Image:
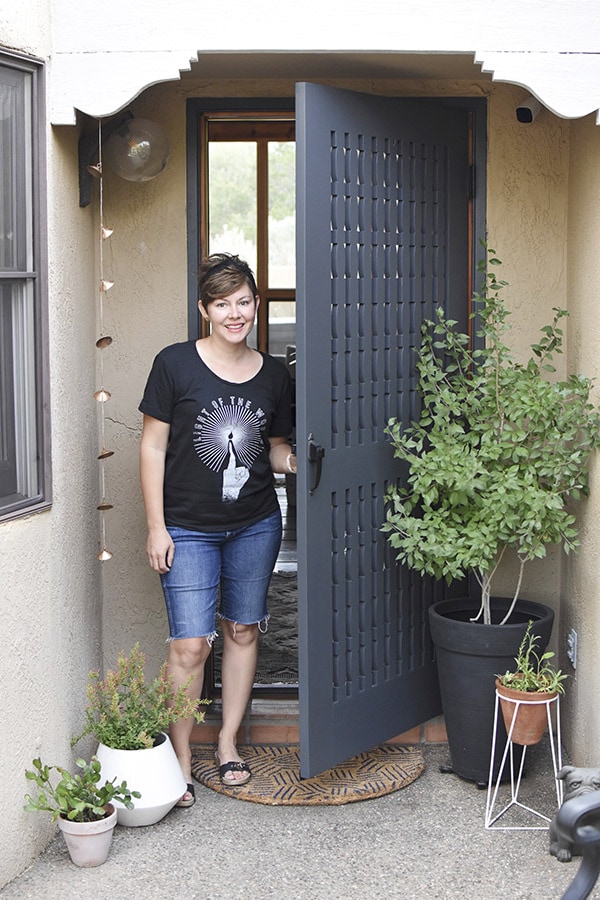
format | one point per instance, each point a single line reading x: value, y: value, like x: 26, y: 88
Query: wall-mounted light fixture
x: 527, y: 110
x: 136, y: 149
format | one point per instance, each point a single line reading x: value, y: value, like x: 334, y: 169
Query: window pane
x: 282, y: 214
x: 8, y: 466
x: 282, y: 329
x: 16, y: 245
x: 19, y: 477
x: 232, y: 209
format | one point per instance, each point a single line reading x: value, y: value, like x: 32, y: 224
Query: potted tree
x: 499, y: 451
x: 525, y: 691
x: 82, y: 806
x: 130, y: 717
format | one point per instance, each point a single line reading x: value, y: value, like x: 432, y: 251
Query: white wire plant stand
x: 492, y: 816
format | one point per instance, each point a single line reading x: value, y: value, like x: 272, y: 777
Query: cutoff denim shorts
x: 240, y: 561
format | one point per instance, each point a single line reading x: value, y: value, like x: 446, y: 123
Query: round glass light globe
x: 137, y: 150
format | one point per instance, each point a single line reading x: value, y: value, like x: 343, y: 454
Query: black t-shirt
x: 217, y: 473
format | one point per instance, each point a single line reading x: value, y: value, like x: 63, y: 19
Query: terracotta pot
x: 88, y: 843
x: 529, y: 711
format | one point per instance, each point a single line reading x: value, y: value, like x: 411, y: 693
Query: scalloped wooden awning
x: 102, y: 60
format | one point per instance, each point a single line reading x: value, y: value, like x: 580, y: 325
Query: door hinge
x: 471, y: 182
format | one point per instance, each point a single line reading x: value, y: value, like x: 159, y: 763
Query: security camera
x: 528, y: 110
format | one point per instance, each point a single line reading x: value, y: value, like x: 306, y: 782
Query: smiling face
x: 231, y: 318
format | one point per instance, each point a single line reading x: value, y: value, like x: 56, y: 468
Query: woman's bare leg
x: 240, y: 652
x: 186, y: 657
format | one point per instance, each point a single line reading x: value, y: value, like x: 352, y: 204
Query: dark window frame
x: 254, y: 108
x: 31, y: 276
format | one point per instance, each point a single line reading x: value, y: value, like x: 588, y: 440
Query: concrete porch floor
x: 425, y: 841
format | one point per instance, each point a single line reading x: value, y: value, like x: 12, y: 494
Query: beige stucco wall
x: 50, y: 589
x: 581, y: 585
x: 526, y: 220
x: 146, y: 257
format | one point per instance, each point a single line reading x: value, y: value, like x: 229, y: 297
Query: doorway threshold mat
x: 276, y: 775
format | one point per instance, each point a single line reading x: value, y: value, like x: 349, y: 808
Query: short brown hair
x: 221, y: 274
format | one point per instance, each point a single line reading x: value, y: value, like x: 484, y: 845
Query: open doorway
x: 245, y: 199
x: 391, y: 198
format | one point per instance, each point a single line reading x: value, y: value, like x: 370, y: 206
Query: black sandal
x: 185, y: 804
x: 233, y: 767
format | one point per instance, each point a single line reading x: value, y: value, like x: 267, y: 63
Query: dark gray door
x: 382, y: 241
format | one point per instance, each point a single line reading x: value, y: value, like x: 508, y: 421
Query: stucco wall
x: 146, y: 257
x: 50, y: 589
x: 526, y: 220
x: 581, y: 587
x: 26, y: 27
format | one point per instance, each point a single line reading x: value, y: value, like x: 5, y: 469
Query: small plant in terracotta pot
x: 82, y: 803
x: 525, y: 691
x: 78, y: 797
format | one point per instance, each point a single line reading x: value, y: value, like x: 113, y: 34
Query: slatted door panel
x: 382, y: 241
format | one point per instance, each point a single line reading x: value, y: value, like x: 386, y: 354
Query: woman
x: 217, y: 416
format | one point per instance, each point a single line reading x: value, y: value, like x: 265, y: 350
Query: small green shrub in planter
x: 79, y: 797
x: 498, y: 452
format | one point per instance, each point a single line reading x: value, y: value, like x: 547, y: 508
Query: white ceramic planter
x: 155, y: 773
x: 88, y: 843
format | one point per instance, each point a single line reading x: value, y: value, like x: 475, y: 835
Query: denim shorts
x: 240, y: 561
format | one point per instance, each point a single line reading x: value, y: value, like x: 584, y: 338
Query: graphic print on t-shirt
x: 228, y: 439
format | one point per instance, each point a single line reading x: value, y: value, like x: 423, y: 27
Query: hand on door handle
x: 315, y: 455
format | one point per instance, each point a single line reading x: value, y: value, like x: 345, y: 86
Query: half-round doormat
x: 276, y: 775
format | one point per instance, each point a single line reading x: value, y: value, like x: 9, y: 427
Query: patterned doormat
x: 276, y: 775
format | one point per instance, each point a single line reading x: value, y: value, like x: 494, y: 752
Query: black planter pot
x: 469, y: 656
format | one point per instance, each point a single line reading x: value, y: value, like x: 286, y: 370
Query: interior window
x: 249, y: 171
x: 247, y: 206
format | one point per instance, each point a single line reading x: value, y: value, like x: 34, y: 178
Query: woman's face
x: 231, y: 318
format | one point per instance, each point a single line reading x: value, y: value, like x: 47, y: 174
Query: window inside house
x: 249, y: 164
x: 22, y: 481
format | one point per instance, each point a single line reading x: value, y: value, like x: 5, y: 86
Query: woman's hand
x: 159, y: 546
x: 160, y: 549
x: 282, y: 460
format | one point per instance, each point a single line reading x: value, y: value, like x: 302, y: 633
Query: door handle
x: 315, y: 456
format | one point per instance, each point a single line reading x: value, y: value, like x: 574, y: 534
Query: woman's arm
x: 282, y: 460
x: 153, y: 450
